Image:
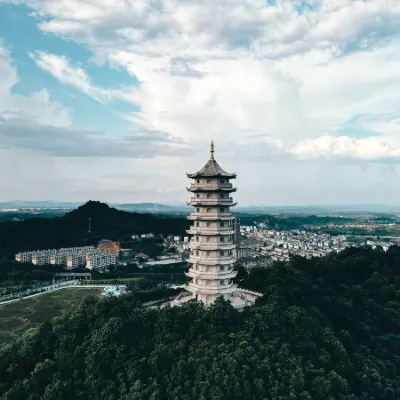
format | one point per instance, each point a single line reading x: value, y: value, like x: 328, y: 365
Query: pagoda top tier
x: 212, y: 169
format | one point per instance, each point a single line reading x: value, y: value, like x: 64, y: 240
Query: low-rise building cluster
x: 385, y: 245
x: 262, y: 243
x: 72, y: 257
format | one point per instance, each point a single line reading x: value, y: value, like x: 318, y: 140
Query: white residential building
x: 25, y: 256
x: 97, y: 260
x: 55, y: 257
x: 76, y: 260
x: 42, y: 257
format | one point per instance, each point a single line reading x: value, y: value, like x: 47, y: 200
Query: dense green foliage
x: 17, y: 277
x: 327, y: 328
x: 12, y: 271
x: 72, y: 229
x: 158, y: 273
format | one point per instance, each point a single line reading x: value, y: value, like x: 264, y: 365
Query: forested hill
x: 326, y: 329
x: 72, y: 228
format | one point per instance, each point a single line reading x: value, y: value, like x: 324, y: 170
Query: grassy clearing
x: 16, y: 318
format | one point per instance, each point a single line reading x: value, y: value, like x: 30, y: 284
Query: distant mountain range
x: 164, y: 208
x: 138, y: 207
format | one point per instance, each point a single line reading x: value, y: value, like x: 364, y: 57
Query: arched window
x: 197, y: 238
x: 197, y: 209
x: 207, y: 282
x: 197, y: 223
x: 197, y: 195
x: 208, y: 239
x: 208, y: 224
x: 198, y: 181
x: 208, y: 209
x: 207, y: 268
x: 208, y: 195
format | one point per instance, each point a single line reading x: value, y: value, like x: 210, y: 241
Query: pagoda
x: 213, y: 243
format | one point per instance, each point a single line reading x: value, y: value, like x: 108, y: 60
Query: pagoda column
x: 212, y: 245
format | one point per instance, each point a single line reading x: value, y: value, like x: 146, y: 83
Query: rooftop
x: 212, y: 169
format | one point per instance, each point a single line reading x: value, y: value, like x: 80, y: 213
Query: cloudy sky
x: 115, y: 100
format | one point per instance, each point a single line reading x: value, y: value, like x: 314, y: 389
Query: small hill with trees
x: 72, y: 229
x: 326, y: 328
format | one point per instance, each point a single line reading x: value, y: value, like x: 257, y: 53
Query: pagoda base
x: 239, y: 298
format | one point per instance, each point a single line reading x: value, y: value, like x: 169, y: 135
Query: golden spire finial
x: 212, y: 151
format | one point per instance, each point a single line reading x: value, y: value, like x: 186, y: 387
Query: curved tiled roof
x: 211, y: 169
x: 108, y: 245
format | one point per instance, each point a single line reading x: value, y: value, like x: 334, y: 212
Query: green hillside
x: 72, y: 228
x: 326, y: 329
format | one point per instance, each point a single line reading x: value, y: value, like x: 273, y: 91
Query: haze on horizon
x: 116, y: 100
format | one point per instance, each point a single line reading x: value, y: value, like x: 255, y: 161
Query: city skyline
x: 116, y: 100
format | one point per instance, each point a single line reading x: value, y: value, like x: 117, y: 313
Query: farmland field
x: 17, y: 317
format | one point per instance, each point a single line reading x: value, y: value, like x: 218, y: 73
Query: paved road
x: 46, y: 289
x: 53, y: 288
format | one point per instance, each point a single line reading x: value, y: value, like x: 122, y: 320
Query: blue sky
x: 21, y: 35
x: 116, y: 100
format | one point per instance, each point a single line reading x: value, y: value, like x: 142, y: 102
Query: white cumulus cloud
x: 270, y: 83
x: 367, y: 149
x: 61, y: 68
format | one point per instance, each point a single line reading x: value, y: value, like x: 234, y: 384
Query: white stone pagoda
x: 213, y: 243
x: 212, y: 246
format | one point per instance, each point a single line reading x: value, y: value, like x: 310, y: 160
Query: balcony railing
x: 230, y: 274
x: 211, y: 187
x: 211, y: 246
x: 226, y: 200
x: 193, y: 230
x: 211, y: 216
x: 211, y: 260
x: 207, y: 289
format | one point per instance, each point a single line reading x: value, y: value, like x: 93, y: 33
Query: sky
x: 115, y: 100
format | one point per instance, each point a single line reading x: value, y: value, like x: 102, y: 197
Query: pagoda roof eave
x: 212, y: 170
x: 206, y: 190
x: 220, y: 175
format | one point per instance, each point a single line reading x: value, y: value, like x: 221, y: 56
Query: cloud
x: 62, y: 69
x: 36, y: 107
x: 343, y: 147
x: 275, y: 86
x: 253, y: 26
x: 241, y: 68
x: 37, y: 124
x: 67, y: 142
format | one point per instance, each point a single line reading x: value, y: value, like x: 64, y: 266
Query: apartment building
x: 55, y: 257
x: 42, y: 257
x: 25, y: 256
x: 58, y: 259
x: 100, y: 260
x: 76, y: 260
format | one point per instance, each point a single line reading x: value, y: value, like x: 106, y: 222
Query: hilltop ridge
x: 72, y: 228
